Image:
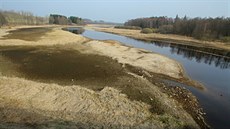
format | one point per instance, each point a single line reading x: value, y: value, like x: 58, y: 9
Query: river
x: 209, y: 66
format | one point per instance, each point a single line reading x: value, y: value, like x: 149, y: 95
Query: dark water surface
x: 209, y: 66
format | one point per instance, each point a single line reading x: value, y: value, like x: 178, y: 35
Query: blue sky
x: 121, y: 10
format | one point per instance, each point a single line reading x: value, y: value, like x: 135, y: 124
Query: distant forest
x: 63, y: 20
x: 27, y: 18
x: 200, y: 28
x: 21, y: 18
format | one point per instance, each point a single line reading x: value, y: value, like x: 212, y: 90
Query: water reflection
x: 219, y: 58
x: 195, y: 61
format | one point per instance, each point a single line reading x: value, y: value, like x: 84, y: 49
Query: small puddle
x: 75, y: 30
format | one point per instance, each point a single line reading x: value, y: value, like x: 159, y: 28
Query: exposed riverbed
x: 63, y: 80
x: 56, y: 56
x: 208, y: 66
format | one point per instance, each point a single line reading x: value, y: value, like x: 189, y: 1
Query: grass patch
x: 147, y: 31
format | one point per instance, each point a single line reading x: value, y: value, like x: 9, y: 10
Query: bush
x: 128, y: 27
x: 147, y: 31
x: 166, y: 29
x: 155, y: 30
x: 225, y: 39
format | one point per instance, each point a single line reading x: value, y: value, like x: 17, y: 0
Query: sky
x: 121, y: 10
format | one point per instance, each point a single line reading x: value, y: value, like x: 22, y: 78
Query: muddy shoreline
x: 59, y: 64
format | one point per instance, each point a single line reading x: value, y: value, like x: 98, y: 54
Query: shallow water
x: 208, y: 66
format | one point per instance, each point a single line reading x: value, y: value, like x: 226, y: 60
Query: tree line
x: 200, y: 28
x: 21, y: 18
x: 63, y: 20
x: 27, y: 18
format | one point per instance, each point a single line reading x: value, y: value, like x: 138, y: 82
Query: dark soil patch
x: 65, y: 67
x: 70, y: 67
x: 28, y: 34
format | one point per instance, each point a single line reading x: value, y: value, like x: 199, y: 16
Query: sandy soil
x: 129, y: 101
x: 138, y: 57
x: 170, y: 38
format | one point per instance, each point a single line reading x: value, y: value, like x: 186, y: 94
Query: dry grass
x: 54, y: 37
x: 107, y: 108
x: 23, y: 101
x: 138, y: 57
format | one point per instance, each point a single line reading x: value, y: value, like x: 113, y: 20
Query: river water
x: 209, y: 66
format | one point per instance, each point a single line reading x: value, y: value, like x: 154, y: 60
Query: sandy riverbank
x: 57, y: 81
x: 170, y: 38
